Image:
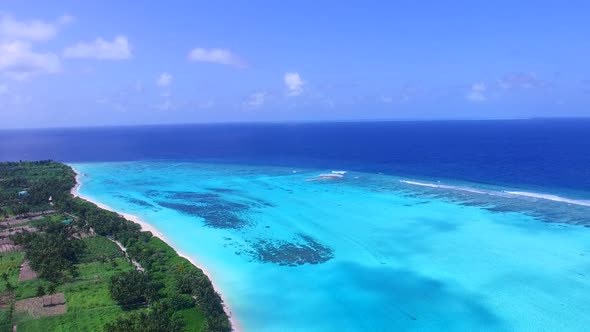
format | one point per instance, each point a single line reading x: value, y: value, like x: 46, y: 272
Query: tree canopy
x: 133, y: 288
x: 53, y: 252
x: 159, y: 318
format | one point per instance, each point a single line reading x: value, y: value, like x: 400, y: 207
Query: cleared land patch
x: 48, y: 305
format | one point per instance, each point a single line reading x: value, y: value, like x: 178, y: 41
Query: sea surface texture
x: 363, y: 252
x: 438, y: 226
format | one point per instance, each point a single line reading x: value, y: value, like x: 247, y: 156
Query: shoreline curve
x: 146, y: 227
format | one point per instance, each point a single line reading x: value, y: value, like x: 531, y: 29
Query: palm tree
x: 40, y: 291
x: 5, y: 277
x: 51, y: 291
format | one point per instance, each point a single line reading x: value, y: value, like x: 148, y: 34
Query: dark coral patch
x: 216, y: 215
x: 305, y: 250
x: 216, y: 210
x: 263, y: 203
x: 193, y: 196
x: 258, y: 202
x: 139, y: 202
x: 152, y: 193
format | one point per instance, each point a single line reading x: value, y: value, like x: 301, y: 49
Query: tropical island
x: 69, y: 265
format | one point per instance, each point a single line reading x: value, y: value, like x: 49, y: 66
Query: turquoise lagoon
x: 365, y: 252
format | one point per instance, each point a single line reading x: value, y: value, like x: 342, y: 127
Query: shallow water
x: 365, y: 252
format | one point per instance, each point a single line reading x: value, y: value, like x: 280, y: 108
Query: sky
x: 95, y: 63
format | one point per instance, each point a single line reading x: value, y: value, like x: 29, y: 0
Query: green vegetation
x: 103, y: 290
x: 133, y: 288
x: 88, y: 299
x: 160, y: 261
x: 52, y: 252
x: 9, y: 267
x: 157, y: 318
x: 40, y: 180
x: 101, y: 249
x: 5, y: 319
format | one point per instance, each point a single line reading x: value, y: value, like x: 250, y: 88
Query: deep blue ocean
x: 534, y: 154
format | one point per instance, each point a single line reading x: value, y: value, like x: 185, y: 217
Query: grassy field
x: 193, y: 318
x: 99, y: 249
x: 10, y: 263
x: 5, y: 321
x: 88, y: 300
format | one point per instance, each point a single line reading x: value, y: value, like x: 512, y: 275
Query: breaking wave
x: 550, y: 197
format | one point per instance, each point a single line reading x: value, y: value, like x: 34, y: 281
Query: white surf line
x: 442, y: 186
x: 550, y: 197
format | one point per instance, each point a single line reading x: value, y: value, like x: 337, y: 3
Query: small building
x: 23, y: 193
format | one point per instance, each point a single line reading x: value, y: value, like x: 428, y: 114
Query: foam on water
x: 367, y: 252
x: 442, y: 186
x: 551, y: 197
x: 504, y: 193
x: 334, y: 175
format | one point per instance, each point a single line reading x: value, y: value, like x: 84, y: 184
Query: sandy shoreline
x: 147, y: 227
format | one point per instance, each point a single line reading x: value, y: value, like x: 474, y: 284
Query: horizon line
x: 292, y: 122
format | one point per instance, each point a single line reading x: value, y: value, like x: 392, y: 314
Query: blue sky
x: 80, y: 63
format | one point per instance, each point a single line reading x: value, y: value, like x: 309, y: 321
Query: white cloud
x: 477, y: 93
x: 216, y: 55
x: 255, y: 100
x: 33, y: 30
x: 294, y: 83
x: 118, y: 49
x: 165, y: 79
x: 20, y: 62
